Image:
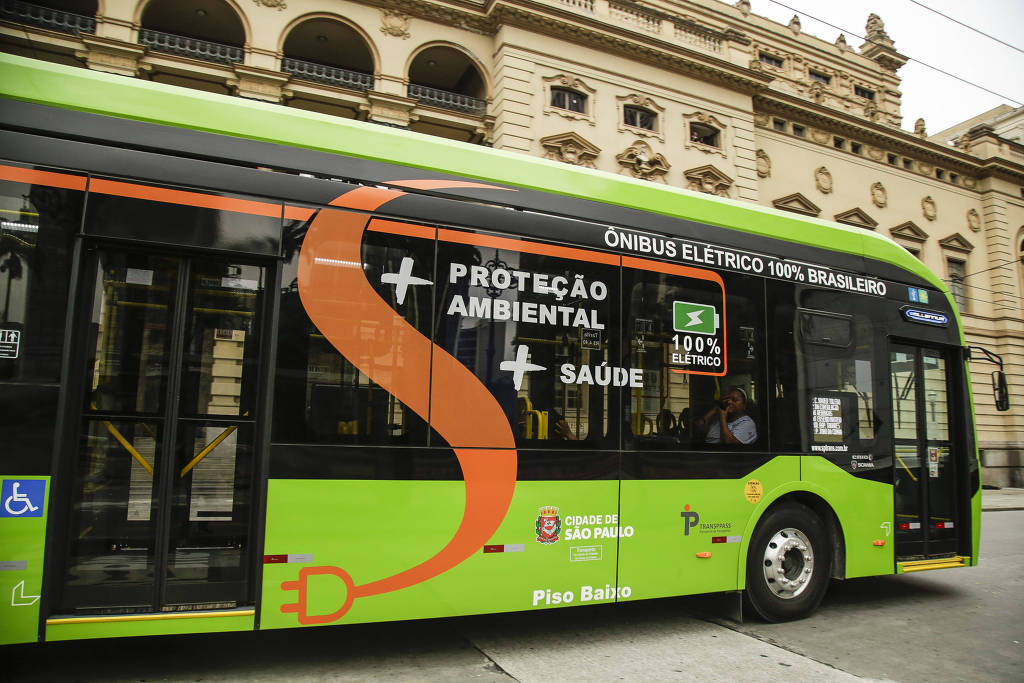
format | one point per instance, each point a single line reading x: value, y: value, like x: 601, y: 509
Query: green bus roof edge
x: 32, y: 80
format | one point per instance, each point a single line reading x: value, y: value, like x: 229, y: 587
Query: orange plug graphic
x: 301, y: 585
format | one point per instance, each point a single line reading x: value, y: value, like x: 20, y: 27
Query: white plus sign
x: 402, y: 279
x: 518, y: 366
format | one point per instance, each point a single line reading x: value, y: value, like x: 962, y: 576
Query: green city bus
x: 266, y: 368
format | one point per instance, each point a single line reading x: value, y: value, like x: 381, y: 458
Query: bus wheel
x: 788, y: 563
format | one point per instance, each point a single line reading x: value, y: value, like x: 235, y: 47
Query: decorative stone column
x: 258, y: 84
x: 389, y: 109
x: 112, y: 56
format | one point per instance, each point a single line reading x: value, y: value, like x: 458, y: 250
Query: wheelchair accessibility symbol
x: 22, y: 497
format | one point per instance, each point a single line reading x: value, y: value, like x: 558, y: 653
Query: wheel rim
x: 788, y: 563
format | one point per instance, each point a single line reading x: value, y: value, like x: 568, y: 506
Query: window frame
x: 571, y: 85
x: 956, y: 281
x: 640, y: 103
x: 568, y: 94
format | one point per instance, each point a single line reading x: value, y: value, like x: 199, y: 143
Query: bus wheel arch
x: 796, y: 548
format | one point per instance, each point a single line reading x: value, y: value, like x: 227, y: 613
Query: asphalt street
x: 960, y: 624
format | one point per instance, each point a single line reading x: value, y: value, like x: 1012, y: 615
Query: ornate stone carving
x: 919, y: 129
x: 876, y: 153
x: 279, y: 4
x: 929, y: 209
x: 764, y: 164
x: 820, y: 136
x: 394, y: 23
x: 570, y: 148
x: 794, y: 25
x: 640, y: 161
x: 974, y: 220
x: 857, y: 217
x: 956, y: 242
x: 744, y: 7
x: 817, y: 92
x: 823, y: 180
x: 909, y: 231
x: 879, y: 195
x: 872, y: 112
x: 797, y: 203
x: 762, y: 120
x: 875, y: 31
x: 970, y: 183
x: 841, y: 43
x: 708, y: 179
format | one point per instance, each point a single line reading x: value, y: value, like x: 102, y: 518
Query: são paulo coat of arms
x: 549, y: 524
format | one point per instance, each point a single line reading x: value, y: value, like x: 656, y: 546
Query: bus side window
x: 322, y: 397
x: 540, y: 330
x: 686, y: 375
x: 836, y: 354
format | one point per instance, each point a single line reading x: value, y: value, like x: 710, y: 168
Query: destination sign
x: 707, y: 255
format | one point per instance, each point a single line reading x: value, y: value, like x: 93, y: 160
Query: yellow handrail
x: 209, y: 449
x: 127, y: 446
x: 124, y: 442
x: 905, y: 466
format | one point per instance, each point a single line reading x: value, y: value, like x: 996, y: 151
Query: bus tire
x: 789, y: 562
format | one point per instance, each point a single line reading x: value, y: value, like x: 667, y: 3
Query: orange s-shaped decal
x: 381, y: 344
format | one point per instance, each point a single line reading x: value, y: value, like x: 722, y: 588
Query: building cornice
x: 620, y: 40
x: 592, y: 31
x: 892, y: 139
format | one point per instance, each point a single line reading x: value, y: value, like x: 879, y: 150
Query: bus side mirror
x: 1000, y: 390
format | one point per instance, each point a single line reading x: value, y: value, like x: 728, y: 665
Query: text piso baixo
x: 546, y: 596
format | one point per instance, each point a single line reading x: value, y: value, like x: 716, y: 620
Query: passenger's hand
x: 563, y: 431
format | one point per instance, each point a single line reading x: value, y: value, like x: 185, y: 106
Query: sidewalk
x: 1002, y: 499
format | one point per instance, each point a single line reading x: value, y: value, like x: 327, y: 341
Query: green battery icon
x: 696, y: 318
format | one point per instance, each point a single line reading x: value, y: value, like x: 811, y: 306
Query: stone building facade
x: 698, y: 94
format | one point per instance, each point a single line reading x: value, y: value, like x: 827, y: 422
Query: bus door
x: 925, y: 466
x: 160, y: 507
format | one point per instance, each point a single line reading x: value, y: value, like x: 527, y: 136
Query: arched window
x: 209, y: 30
x: 66, y: 16
x: 328, y: 51
x: 444, y: 77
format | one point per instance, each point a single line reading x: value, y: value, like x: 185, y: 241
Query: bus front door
x: 925, y: 467
x: 160, y: 500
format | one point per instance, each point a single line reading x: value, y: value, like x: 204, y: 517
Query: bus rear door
x: 926, y: 463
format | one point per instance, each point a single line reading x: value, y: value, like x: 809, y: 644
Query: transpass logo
x: 548, y: 525
x: 690, y: 519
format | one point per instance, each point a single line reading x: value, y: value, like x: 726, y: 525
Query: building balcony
x: 44, y: 17
x: 444, y: 99
x: 205, y: 50
x: 331, y: 75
